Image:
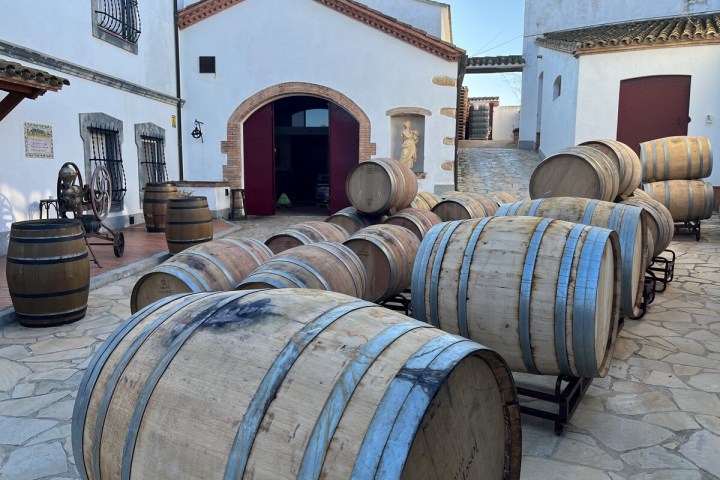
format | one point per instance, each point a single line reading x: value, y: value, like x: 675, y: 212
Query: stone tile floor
x: 655, y: 416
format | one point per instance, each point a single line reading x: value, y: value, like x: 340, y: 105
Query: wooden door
x: 259, y: 158
x: 344, y: 136
x: 653, y: 107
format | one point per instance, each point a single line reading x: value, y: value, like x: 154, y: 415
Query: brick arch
x: 232, y: 147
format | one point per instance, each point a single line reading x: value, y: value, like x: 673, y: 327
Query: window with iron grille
x: 153, y: 159
x: 105, y: 151
x: 117, y: 22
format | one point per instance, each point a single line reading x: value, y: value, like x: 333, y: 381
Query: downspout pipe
x: 176, y: 15
x: 462, y: 67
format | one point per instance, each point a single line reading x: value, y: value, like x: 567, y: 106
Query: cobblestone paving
x: 655, y: 416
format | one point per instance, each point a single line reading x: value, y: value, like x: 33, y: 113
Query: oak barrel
x: 501, y: 198
x: 188, y: 223
x: 155, y: 200
x: 660, y: 224
x: 217, y: 265
x: 687, y: 200
x: 575, y: 172
x: 288, y: 384
x: 326, y: 266
x: 351, y: 220
x: 544, y: 293
x: 624, y: 159
x: 47, y: 271
x: 630, y: 223
x: 425, y: 200
x: 388, y: 253
x: 378, y: 185
x: 417, y: 220
x: 676, y: 158
x: 489, y: 205
x: 306, y: 233
x: 459, y: 207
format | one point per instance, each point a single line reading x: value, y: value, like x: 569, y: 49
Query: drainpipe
x: 177, y: 90
x: 462, y: 65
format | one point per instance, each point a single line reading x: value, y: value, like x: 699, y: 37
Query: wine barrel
x: 292, y: 384
x: 155, y: 200
x: 218, y: 265
x: 687, y: 200
x: 455, y: 207
x: 425, y: 200
x: 501, y: 198
x: 306, y: 233
x: 188, y: 223
x: 543, y: 293
x: 624, y: 159
x: 417, y: 220
x: 351, y: 220
x: 630, y: 223
x: 660, y: 226
x: 676, y: 158
x: 378, y: 185
x: 387, y: 253
x: 575, y: 172
x: 639, y: 192
x: 322, y: 266
x: 489, y: 205
x: 47, y: 271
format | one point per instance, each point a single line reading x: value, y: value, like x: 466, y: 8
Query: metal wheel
x: 101, y: 192
x: 69, y: 179
x: 119, y: 244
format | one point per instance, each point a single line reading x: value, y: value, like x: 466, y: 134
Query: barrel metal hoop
x: 339, y: 397
x: 44, y: 317
x: 691, y: 201
x: 62, y: 293
x: 392, y: 280
x: 195, y: 283
x: 55, y: 239
x: 192, y: 222
x: 666, y: 186
x: 435, y: 273
x: 387, y: 411
x: 643, y: 161
x: 249, y: 251
x: 419, y: 273
x: 191, y: 241
x: 534, y: 207
x: 47, y: 260
x: 666, y: 152
x: 589, y: 212
x: 526, y: 284
x: 305, y: 266
x: 273, y: 282
x: 709, y: 156
x: 274, y: 377
x: 462, y: 296
x: 218, y: 264
x: 627, y: 236
x: 688, y: 150
x: 561, y: 298
x: 353, y: 259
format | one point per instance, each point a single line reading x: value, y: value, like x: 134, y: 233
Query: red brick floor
x: 139, y: 245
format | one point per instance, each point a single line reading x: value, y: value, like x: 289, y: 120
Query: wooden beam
x: 9, y: 86
x: 9, y: 102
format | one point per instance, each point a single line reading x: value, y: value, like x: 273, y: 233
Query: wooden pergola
x: 24, y: 82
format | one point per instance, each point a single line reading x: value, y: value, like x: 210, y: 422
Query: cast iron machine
x: 76, y: 198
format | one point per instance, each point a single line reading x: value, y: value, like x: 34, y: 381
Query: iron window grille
x: 153, y: 162
x: 120, y: 18
x: 105, y: 151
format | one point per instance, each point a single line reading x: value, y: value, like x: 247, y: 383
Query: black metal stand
x: 91, y: 226
x: 45, y: 205
x: 648, y: 296
x: 566, y: 399
x: 691, y: 227
x: 665, y: 267
x: 399, y: 303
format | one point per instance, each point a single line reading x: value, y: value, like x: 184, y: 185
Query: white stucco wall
x: 505, y: 119
x: 262, y: 43
x: 428, y: 16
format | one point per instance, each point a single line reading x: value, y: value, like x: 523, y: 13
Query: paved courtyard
x: 655, y: 416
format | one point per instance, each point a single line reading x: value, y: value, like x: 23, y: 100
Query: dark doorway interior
x: 301, y: 151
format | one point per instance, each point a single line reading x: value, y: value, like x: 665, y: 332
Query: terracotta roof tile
x: 14, y: 71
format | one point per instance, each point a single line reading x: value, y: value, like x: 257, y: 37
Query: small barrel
x: 676, y: 158
x: 501, y: 198
x: 575, y: 172
x: 456, y: 207
x: 380, y: 185
x: 351, y: 220
x: 417, y: 220
x: 292, y: 383
x: 218, y: 265
x: 544, y: 293
x: 660, y: 225
x: 189, y: 222
x: 628, y: 221
x: 625, y: 160
x: 425, y: 200
x: 687, y: 200
x: 326, y: 266
x: 306, y: 233
x: 155, y: 200
x: 388, y: 253
x: 48, y: 272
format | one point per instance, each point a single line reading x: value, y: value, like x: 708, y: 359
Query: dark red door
x: 259, y: 156
x: 344, y: 154
x: 653, y: 107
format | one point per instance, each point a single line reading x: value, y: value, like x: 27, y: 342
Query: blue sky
x: 490, y: 27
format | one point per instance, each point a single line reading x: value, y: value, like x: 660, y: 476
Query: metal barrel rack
x: 565, y: 399
x: 690, y: 226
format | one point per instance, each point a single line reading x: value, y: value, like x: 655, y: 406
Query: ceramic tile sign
x: 38, y: 140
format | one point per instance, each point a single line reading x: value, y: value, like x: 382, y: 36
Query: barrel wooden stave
x: 458, y: 207
x: 473, y: 278
x: 489, y: 205
x: 155, y: 199
x: 217, y: 265
x: 425, y: 201
x: 630, y: 223
x: 48, y: 271
x: 188, y: 223
x: 417, y: 220
x: 501, y: 198
x: 306, y: 233
x: 687, y: 200
x: 379, y: 185
x: 660, y: 226
x: 624, y: 159
x: 575, y: 172
x: 228, y: 360
x: 676, y: 158
x: 387, y: 252
x: 352, y: 220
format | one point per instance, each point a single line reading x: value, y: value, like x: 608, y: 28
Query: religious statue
x: 410, y: 138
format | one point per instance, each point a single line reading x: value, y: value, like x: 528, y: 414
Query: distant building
x: 631, y: 71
